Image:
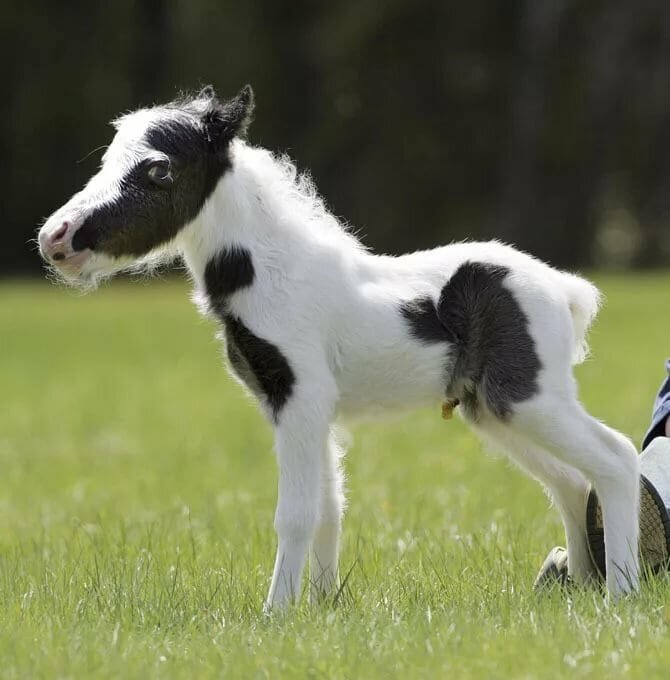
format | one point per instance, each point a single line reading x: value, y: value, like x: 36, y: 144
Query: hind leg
x: 325, y: 544
x: 566, y: 486
x: 603, y: 456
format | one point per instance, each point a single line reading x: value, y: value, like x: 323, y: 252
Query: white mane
x: 289, y: 196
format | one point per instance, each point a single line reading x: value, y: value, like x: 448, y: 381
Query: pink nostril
x: 59, y: 233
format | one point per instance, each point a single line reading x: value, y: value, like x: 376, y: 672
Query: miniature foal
x: 316, y: 327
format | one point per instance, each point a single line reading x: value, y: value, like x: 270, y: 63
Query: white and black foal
x: 316, y: 327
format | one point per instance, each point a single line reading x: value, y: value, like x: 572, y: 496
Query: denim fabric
x: 661, y: 410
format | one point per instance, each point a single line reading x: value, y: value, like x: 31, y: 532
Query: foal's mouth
x: 76, y: 259
x: 71, y: 268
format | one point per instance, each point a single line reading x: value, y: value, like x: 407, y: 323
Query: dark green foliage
x: 542, y: 122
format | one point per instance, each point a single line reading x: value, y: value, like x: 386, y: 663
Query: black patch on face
x: 259, y: 364
x: 145, y: 215
x: 229, y: 271
x: 495, y: 356
x: 195, y: 135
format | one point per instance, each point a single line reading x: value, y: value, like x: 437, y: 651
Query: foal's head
x: 159, y: 170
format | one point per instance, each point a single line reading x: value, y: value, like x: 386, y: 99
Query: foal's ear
x: 224, y: 121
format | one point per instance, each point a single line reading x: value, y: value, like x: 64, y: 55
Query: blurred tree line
x: 545, y: 123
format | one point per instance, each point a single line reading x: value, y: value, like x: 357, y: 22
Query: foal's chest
x: 258, y: 363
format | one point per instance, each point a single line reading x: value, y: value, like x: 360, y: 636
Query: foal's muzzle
x: 55, y: 239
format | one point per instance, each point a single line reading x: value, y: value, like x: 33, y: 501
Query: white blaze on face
x: 128, y: 148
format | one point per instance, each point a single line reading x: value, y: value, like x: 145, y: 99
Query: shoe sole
x: 554, y: 570
x: 654, y: 529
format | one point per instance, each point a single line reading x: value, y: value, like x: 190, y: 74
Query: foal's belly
x: 395, y: 379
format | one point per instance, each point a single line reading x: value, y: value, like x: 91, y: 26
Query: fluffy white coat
x: 331, y: 307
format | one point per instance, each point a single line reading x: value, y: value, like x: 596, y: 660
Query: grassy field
x: 137, y: 495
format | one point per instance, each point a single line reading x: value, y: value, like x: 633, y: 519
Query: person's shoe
x: 654, y: 543
x: 654, y: 529
x: 554, y: 570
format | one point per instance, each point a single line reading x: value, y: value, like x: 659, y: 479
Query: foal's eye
x: 160, y: 175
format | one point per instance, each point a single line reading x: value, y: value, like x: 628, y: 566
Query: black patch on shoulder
x: 259, y: 364
x: 227, y: 272
x: 495, y: 357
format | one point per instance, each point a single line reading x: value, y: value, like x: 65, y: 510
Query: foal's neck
x: 260, y: 205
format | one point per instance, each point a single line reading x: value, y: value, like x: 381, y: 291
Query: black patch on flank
x: 195, y: 136
x: 495, y: 357
x: 258, y: 364
x: 424, y: 322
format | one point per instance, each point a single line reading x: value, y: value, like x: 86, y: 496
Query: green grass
x: 137, y: 495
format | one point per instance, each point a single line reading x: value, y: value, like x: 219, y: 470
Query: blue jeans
x: 661, y: 410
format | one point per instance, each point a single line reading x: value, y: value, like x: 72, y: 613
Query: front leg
x: 301, y: 441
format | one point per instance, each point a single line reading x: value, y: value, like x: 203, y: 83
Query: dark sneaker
x: 554, y: 570
x: 654, y: 529
x: 654, y: 521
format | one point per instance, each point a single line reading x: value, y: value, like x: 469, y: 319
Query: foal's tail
x: 583, y: 300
